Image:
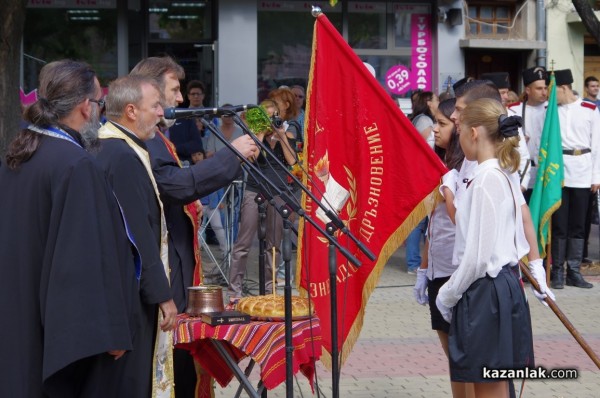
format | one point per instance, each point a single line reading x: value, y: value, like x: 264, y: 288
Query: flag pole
x: 563, y: 318
x: 549, y: 253
x: 331, y: 229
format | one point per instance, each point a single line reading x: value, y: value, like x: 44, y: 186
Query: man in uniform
x: 592, y: 87
x: 581, y: 158
x: 180, y: 188
x: 67, y: 270
x: 533, y: 112
x: 501, y: 80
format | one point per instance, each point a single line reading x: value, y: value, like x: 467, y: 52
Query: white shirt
x: 580, y: 129
x: 440, y: 232
x: 535, y: 117
x: 489, y: 230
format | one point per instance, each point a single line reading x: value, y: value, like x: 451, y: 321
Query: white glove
x: 449, y: 180
x: 420, y: 289
x: 445, y: 311
x: 539, y: 274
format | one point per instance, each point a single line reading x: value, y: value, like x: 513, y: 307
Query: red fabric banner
x: 368, y: 162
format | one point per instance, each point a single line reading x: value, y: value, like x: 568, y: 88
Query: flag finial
x: 552, y: 65
x: 316, y: 11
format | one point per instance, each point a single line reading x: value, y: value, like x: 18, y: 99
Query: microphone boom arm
x: 284, y: 195
x: 332, y: 215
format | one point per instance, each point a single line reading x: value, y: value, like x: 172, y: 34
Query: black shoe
x: 578, y: 281
x: 557, y: 278
x: 586, y: 261
x: 557, y: 284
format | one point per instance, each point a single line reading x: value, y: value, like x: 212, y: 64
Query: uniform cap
x: 563, y: 76
x: 534, y: 74
x: 500, y: 79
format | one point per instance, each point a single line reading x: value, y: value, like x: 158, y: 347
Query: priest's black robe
x: 129, y: 179
x: 178, y: 187
x: 67, y: 275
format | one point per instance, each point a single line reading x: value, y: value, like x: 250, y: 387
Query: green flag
x: 547, y: 190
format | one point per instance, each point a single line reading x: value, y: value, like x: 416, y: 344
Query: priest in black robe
x: 179, y: 189
x: 67, y: 270
x: 133, y: 109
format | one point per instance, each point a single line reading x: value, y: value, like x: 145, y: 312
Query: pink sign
x: 397, y: 79
x: 420, y: 25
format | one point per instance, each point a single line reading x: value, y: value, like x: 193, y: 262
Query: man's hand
x: 246, y: 146
x: 116, y: 353
x: 595, y: 188
x: 169, y: 312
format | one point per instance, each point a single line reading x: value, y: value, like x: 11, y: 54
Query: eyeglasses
x: 299, y: 96
x: 100, y: 102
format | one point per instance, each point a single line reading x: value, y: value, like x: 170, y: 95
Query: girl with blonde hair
x: 490, y: 325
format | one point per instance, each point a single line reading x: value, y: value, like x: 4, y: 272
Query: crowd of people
x: 112, y: 215
x: 482, y: 227
x: 109, y: 215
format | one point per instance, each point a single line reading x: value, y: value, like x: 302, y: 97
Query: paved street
x: 398, y: 355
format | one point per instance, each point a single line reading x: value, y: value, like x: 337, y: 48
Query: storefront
x: 241, y: 49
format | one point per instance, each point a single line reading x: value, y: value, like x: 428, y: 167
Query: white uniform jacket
x: 580, y: 129
x: 534, y: 124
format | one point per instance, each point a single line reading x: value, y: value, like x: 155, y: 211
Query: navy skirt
x: 437, y: 320
x: 491, y: 327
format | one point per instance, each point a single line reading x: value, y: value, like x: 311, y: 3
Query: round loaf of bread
x: 271, y: 306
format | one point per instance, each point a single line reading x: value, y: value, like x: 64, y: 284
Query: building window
x: 489, y: 19
x: 367, y: 25
x: 399, y: 49
x: 383, y: 33
x: 181, y: 21
x: 285, y: 31
x: 83, y: 33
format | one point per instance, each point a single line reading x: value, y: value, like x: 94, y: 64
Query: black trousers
x: 568, y: 222
x: 588, y: 221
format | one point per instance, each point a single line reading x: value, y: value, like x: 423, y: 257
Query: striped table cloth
x: 264, y: 342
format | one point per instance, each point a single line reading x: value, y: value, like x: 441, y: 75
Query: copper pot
x: 204, y: 298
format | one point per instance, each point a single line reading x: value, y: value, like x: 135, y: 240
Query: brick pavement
x: 398, y: 355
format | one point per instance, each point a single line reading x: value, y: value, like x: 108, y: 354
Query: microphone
x: 182, y: 113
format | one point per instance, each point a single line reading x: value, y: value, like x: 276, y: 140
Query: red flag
x: 365, y: 157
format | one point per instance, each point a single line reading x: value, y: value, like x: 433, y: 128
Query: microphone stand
x: 290, y: 201
x: 286, y: 253
x: 298, y: 209
x: 339, y: 224
x: 262, y: 233
x: 331, y: 228
x: 332, y: 260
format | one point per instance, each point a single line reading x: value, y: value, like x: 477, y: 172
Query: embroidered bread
x: 271, y: 306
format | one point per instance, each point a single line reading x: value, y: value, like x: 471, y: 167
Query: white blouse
x: 489, y: 230
x: 440, y: 232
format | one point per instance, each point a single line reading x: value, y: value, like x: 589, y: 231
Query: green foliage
x: 258, y: 121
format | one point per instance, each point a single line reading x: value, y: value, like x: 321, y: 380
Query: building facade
x: 241, y: 49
